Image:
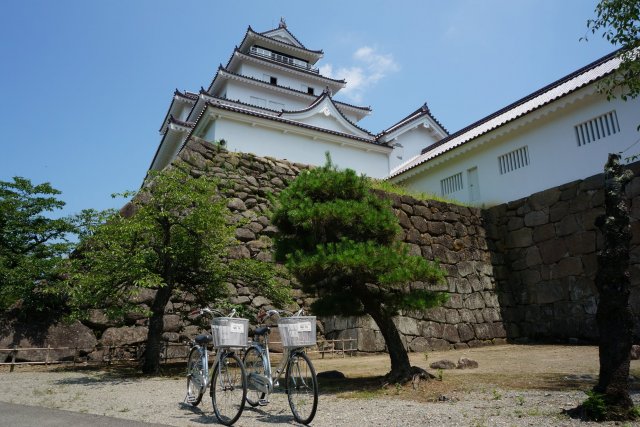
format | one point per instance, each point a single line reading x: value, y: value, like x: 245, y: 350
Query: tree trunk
x: 400, y: 366
x: 156, y: 326
x: 614, y: 316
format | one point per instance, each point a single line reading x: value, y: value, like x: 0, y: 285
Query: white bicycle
x: 301, y: 384
x: 228, y: 381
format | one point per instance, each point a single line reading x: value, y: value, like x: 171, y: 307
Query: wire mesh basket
x: 298, y: 331
x: 230, y: 332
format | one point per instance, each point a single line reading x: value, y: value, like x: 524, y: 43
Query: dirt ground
x: 516, y: 367
x: 514, y: 385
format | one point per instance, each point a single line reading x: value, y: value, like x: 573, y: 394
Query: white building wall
x: 554, y: 155
x: 263, y: 97
x: 293, y: 147
x: 285, y: 79
x: 412, y: 143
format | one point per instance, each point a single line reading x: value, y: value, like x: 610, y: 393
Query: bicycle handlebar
x: 270, y: 313
x: 201, y: 311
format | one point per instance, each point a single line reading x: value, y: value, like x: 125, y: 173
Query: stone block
x: 453, y: 317
x: 244, y: 234
x: 558, y: 211
x: 437, y: 314
x: 436, y: 228
x: 491, y: 315
x: 581, y: 243
x: 419, y: 345
x: 236, y: 204
x: 544, y: 232
x: 535, y: 218
x: 552, y: 251
x: 569, y: 266
x: 431, y: 329
x: 498, y: 330
x: 171, y: 323
x: 370, y: 340
x: 407, y: 325
x: 568, y: 225
x: 259, y: 301
x: 420, y: 224
x: 543, y: 199
x: 126, y: 335
x: 483, y: 331
x: 450, y: 333
x: 467, y: 316
x: 465, y: 332
x: 474, y: 301
x: 438, y: 344
x: 521, y: 238
x: 466, y: 268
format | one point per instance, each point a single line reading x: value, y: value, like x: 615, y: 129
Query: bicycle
x: 228, y: 383
x: 301, y: 384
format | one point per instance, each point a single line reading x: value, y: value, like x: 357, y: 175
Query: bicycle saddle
x: 203, y: 339
x: 262, y: 331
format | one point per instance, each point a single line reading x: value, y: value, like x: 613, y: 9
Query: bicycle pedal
x: 263, y: 402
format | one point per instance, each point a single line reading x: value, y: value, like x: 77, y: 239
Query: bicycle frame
x: 265, y: 383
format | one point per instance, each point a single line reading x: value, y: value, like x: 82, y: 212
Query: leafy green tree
x: 338, y: 239
x: 619, y: 22
x: 32, y: 244
x: 173, y: 236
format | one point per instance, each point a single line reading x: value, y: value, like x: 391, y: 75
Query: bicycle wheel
x: 195, y: 377
x: 302, y: 387
x: 228, y: 388
x: 254, y: 364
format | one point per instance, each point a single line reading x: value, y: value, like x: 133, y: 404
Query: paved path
x: 13, y: 415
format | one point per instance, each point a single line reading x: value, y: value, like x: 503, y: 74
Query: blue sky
x: 86, y: 84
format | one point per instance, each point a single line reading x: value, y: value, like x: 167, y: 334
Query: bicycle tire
x: 195, y: 377
x: 253, y: 364
x: 228, y: 388
x: 302, y: 387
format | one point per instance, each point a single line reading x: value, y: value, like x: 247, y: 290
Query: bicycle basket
x: 298, y: 331
x: 229, y: 332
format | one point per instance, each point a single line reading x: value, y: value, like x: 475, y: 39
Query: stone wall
x: 544, y: 254
x: 518, y: 271
x: 455, y: 237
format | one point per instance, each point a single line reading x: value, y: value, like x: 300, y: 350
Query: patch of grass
x: 389, y: 187
x: 496, y: 394
x: 520, y: 400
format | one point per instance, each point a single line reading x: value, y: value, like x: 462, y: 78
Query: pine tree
x: 338, y: 238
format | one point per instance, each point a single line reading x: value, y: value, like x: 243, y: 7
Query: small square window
x: 310, y: 90
x: 273, y: 80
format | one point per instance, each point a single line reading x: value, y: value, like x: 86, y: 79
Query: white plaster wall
x: 555, y: 157
x: 243, y: 93
x: 330, y: 122
x: 291, y: 80
x: 412, y: 141
x: 298, y: 148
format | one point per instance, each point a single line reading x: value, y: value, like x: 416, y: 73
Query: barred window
x: 513, y: 160
x: 451, y: 184
x: 597, y: 128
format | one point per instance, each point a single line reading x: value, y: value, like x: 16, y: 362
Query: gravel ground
x: 159, y: 400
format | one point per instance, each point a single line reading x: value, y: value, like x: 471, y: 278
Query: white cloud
x: 369, y: 68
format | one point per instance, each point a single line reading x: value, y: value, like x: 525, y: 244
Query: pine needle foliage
x: 339, y: 239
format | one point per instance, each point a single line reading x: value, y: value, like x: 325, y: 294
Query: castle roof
x: 421, y: 112
x: 298, y: 50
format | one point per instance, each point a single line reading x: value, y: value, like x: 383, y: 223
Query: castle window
x: 310, y: 90
x: 513, y: 160
x: 451, y: 184
x: 597, y: 128
x: 273, y: 80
